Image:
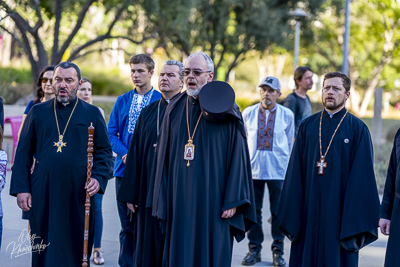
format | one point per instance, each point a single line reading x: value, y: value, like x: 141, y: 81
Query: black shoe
x: 251, y: 258
x: 278, y: 260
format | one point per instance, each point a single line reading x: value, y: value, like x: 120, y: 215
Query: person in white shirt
x: 270, y: 129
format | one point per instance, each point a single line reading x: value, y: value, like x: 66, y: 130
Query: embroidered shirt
x: 270, y: 164
x: 122, y: 122
x: 3, y: 168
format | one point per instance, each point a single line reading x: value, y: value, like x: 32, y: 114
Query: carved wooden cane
x: 87, y: 202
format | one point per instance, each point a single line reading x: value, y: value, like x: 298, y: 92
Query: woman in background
x: 85, y: 93
x: 44, y: 91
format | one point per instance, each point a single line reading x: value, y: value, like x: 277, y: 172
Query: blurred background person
x: 3, y: 168
x: 44, y: 92
x: 85, y: 93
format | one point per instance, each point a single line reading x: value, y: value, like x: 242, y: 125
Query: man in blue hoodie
x: 120, y: 130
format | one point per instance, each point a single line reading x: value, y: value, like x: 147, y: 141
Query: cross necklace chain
x: 189, y: 147
x: 60, y: 144
x: 322, y: 164
x: 158, y: 125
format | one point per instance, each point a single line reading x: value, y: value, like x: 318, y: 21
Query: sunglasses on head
x: 45, y: 80
x: 195, y: 72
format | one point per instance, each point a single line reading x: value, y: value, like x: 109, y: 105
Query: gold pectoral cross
x: 60, y: 143
x: 321, y: 165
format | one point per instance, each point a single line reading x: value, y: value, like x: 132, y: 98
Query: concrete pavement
x: 13, y: 226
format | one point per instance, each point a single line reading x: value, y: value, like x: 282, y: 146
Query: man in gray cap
x: 269, y: 145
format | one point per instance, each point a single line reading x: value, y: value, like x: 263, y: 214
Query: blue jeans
x: 98, y: 220
x: 1, y: 229
x: 126, y: 235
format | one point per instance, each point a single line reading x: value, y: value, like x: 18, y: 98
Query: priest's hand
x: 132, y: 207
x: 228, y: 213
x: 93, y: 187
x: 384, y: 224
x: 24, y: 201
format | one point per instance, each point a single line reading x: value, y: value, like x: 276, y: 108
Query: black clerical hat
x: 217, y: 102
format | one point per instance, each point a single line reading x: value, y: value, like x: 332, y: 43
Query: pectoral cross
x: 321, y: 165
x: 60, y: 143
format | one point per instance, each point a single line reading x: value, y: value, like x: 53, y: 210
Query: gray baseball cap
x: 271, y: 82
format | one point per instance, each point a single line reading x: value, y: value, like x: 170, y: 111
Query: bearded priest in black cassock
x: 390, y: 208
x: 203, y: 192
x: 329, y: 206
x: 140, y: 167
x: 56, y: 132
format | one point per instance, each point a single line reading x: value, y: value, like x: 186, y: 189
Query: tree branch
x: 15, y: 38
x: 19, y: 21
x: 74, y: 55
x: 326, y: 56
x: 107, y: 35
x: 39, y: 23
x: 78, y: 25
x: 98, y: 50
x: 58, y: 16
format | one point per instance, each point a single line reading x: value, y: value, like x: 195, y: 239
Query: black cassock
x: 330, y: 217
x: 139, y: 170
x: 189, y: 201
x: 58, y: 180
x: 390, y: 208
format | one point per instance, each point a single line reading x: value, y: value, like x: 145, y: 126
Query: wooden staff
x: 87, y: 202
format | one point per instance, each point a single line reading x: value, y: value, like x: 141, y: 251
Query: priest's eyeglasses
x: 195, y: 72
x: 45, y: 80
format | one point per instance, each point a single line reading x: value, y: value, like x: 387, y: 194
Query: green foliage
x: 107, y: 81
x: 14, y: 84
x: 15, y: 75
x: 244, y: 102
x: 107, y: 107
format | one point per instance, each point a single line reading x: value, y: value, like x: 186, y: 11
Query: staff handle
x: 87, y: 202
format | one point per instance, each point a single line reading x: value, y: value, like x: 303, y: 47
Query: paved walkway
x: 13, y: 226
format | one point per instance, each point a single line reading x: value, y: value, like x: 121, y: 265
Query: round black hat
x: 217, y: 102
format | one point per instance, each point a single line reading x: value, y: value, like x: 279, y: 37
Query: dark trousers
x: 126, y: 235
x: 256, y: 234
x: 98, y: 220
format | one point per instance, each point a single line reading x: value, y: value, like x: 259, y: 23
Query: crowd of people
x: 190, y: 170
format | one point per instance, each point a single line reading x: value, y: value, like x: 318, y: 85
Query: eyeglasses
x: 45, y: 80
x: 195, y: 72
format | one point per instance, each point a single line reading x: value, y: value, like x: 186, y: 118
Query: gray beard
x: 196, y: 92
x: 68, y: 98
x: 193, y: 92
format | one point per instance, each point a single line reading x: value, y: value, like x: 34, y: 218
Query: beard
x: 333, y: 105
x: 194, y: 92
x: 267, y: 102
x: 69, y: 97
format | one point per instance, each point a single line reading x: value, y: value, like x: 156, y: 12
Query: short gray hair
x: 67, y: 65
x: 210, y: 63
x: 176, y: 63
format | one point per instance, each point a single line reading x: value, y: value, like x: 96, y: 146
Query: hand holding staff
x: 88, y: 187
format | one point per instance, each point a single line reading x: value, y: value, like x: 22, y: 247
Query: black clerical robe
x: 58, y: 180
x: 390, y: 208
x: 189, y: 200
x: 330, y: 217
x: 139, y: 170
